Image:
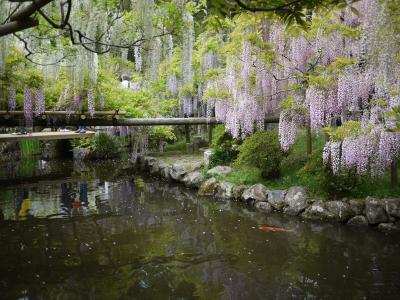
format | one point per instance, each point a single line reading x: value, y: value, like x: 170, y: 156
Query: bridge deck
x: 55, y: 135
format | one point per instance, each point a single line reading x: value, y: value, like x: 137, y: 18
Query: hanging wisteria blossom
x: 134, y: 153
x: 28, y: 109
x: 39, y: 102
x: 173, y: 85
x: 91, y: 102
x: 12, y: 99
x: 102, y: 102
x: 287, y: 131
x: 63, y: 96
x: 77, y: 99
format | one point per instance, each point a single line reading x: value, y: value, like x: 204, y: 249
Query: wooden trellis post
x: 210, y: 130
x: 187, y: 133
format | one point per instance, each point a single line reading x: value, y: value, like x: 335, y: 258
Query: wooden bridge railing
x: 6, y: 120
x: 12, y: 113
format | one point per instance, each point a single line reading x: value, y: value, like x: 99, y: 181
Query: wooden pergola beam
x: 74, y: 121
x: 63, y: 113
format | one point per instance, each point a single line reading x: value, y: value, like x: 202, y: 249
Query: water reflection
x: 130, y: 238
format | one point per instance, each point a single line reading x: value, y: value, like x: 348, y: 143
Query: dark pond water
x: 96, y: 232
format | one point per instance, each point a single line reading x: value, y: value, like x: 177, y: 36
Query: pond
x: 101, y: 231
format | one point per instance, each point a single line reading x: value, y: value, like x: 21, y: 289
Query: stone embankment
x: 295, y: 201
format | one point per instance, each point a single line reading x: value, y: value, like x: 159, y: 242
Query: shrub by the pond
x: 102, y: 146
x: 261, y: 150
x: 223, y: 146
x: 333, y: 185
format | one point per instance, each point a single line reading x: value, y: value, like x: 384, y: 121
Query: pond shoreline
x: 384, y: 214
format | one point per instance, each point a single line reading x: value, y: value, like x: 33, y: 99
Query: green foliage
x: 20, y: 73
x: 214, y: 73
x: 216, y: 93
x: 28, y: 148
x: 102, y: 146
x: 162, y: 132
x: 348, y: 129
x: 395, y: 115
x: 223, y: 146
x: 296, y: 169
x: 180, y: 146
x: 332, y: 185
x: 188, y: 89
x: 261, y: 150
x: 159, y: 134
x: 287, y: 104
x: 325, y: 76
x: 244, y: 175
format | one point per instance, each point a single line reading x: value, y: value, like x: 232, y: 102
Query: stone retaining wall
x: 382, y: 213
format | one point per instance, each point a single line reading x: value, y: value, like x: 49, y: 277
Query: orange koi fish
x: 272, y: 229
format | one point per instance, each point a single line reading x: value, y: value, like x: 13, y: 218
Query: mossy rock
x: 209, y: 187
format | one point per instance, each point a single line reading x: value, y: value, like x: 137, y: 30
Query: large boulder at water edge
x: 209, y: 187
x: 277, y: 199
x: 225, y: 190
x: 389, y: 227
x: 341, y: 211
x: 358, y: 221
x: 374, y: 211
x: 219, y: 170
x: 193, y: 179
x: 154, y: 167
x: 255, y: 193
x: 165, y: 171
x: 317, y: 211
x: 161, y: 166
x: 179, y: 170
x: 264, y: 206
x: 295, y: 200
x: 147, y: 161
x: 392, y: 207
x: 238, y: 190
x: 81, y: 153
x: 357, y: 206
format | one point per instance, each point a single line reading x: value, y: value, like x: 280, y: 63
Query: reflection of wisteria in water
x: 66, y: 199
x: 102, y: 197
x: 123, y: 194
x: 12, y: 102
